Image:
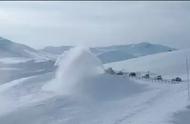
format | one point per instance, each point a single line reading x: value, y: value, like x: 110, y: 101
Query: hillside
x: 18, y: 60
x: 170, y: 63
x: 12, y: 49
x: 117, y: 52
x: 80, y: 92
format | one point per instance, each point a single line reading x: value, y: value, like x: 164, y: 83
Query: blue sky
x: 40, y: 24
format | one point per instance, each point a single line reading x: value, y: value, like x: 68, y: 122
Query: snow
x: 6, y: 86
x: 116, y: 52
x: 78, y: 63
x: 89, y: 79
x: 80, y: 92
x: 182, y: 117
x: 162, y: 108
x: 16, y: 60
x: 169, y: 64
x: 13, y: 60
x: 38, y: 57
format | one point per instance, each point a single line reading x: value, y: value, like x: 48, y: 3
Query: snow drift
x: 75, y: 66
x: 81, y: 73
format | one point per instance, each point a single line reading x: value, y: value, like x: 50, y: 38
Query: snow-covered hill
x: 76, y: 90
x: 117, y: 52
x: 12, y: 49
x: 18, y: 60
x: 169, y: 63
x: 80, y: 92
x: 80, y: 87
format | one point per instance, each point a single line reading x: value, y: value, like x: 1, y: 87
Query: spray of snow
x: 75, y: 66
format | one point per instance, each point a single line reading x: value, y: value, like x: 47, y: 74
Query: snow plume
x: 74, y: 67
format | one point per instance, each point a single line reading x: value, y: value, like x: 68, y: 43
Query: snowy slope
x: 11, y: 52
x: 18, y: 60
x: 79, y: 92
x: 11, y: 49
x: 12, y: 60
x: 34, y: 104
x: 80, y: 71
x: 170, y: 63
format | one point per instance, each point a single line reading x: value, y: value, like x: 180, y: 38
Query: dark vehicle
x: 178, y: 79
x: 132, y: 74
x: 120, y: 73
x: 110, y: 71
x: 146, y: 76
x: 159, y: 77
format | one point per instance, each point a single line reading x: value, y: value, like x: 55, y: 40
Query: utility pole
x: 188, y: 82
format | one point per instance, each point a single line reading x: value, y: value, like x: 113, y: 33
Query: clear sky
x: 40, y: 24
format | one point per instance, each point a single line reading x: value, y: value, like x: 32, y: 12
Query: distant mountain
x: 12, y: 49
x: 56, y: 50
x: 19, y: 61
x: 117, y: 52
x: 169, y: 64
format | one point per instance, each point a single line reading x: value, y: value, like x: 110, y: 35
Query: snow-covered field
x: 168, y: 64
x: 80, y: 92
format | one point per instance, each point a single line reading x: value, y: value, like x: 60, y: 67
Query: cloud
x: 96, y: 23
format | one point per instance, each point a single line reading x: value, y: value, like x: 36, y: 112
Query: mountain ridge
x: 9, y: 48
x: 117, y: 52
x: 107, y: 54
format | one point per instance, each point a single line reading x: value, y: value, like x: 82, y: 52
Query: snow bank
x: 74, y: 66
x: 81, y: 73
